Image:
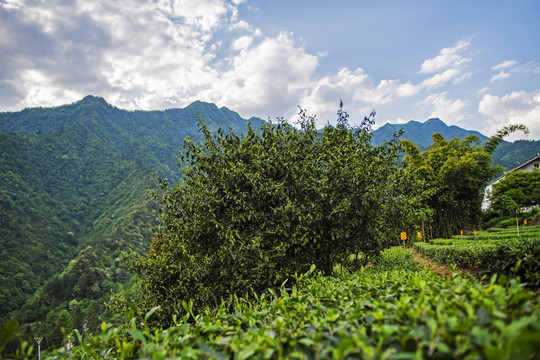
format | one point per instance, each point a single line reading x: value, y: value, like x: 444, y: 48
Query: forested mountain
x: 420, y: 133
x: 75, y: 185
x: 508, y: 154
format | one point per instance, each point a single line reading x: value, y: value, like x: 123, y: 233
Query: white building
x: 529, y: 165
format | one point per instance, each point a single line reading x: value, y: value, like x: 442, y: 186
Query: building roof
x: 535, y: 157
x: 519, y: 167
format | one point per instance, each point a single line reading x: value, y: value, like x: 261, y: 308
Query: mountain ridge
x: 75, y: 176
x: 416, y: 131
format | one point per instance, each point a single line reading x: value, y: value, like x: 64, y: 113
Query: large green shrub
x: 254, y: 209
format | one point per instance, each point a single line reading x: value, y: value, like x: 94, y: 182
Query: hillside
x: 75, y: 187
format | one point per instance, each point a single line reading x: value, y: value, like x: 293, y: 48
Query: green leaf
x: 148, y: 314
x: 245, y: 353
x: 8, y: 332
x: 137, y: 335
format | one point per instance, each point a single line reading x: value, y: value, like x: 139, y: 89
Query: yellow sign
x: 461, y: 232
x: 525, y: 222
x: 403, y: 236
x: 419, y: 235
x: 474, y: 232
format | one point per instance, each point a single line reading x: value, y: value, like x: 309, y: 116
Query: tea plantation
x: 394, y: 309
x: 500, y: 251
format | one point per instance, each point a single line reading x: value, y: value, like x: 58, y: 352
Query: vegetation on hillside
x: 75, y: 187
x: 518, y: 189
x: 395, y: 309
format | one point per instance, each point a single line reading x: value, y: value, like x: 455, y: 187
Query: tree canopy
x: 516, y: 190
x: 252, y: 210
x: 454, y: 174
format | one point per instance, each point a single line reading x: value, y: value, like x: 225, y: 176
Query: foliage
x: 516, y: 190
x: 255, y: 208
x: 455, y: 174
x: 394, y: 310
x: 421, y: 133
x: 501, y: 253
x: 7, y: 332
x: 74, y: 188
x: 511, y: 154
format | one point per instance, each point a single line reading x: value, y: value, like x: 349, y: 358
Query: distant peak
x: 197, y: 103
x: 93, y: 99
x: 434, y: 120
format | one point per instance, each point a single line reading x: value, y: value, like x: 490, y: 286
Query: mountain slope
x: 79, y: 175
x: 74, y: 188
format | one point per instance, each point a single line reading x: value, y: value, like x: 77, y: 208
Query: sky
x: 475, y: 64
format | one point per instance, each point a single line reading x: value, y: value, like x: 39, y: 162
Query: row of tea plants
x: 502, y: 252
x: 395, y: 309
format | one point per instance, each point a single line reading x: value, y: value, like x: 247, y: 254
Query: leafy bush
x: 507, y: 223
x: 253, y: 209
x: 520, y: 258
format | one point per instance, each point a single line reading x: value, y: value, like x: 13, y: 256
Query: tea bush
x: 395, y: 309
x: 502, y: 253
x: 253, y: 209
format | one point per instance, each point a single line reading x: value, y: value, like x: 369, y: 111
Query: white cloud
x: 357, y: 89
x: 42, y: 91
x: 462, y: 77
x: 529, y: 68
x: 517, y: 107
x: 204, y: 14
x: 241, y: 43
x: 452, y: 112
x: 509, y: 67
x: 89, y: 48
x: 441, y: 78
x: 504, y: 65
x: 500, y: 76
x: 156, y: 54
x: 266, y: 79
x: 483, y: 90
x: 447, y: 58
x: 172, y: 62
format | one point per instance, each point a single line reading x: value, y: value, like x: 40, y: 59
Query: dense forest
x: 75, y: 188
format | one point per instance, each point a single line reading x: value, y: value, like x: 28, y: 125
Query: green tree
x: 454, y: 174
x: 523, y: 187
x: 254, y: 209
x: 76, y: 314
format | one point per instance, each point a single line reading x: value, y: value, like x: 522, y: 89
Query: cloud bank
x: 160, y: 54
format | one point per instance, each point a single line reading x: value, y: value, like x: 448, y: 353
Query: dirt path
x: 444, y: 271
x: 434, y: 266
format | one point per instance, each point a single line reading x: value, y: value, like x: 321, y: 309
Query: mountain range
x: 75, y: 185
x: 420, y: 133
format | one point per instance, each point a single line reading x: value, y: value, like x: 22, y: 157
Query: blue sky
x: 475, y: 64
